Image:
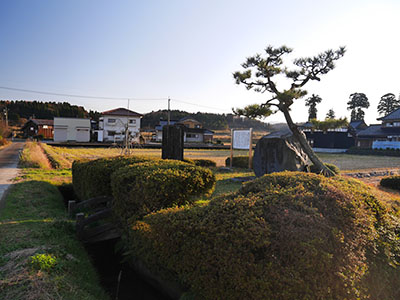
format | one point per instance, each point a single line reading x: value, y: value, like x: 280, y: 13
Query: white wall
x: 71, y: 129
x: 118, y: 126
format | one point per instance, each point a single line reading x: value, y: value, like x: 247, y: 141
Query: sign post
x: 243, y: 140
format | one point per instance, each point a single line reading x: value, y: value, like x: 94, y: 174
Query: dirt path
x: 9, y: 158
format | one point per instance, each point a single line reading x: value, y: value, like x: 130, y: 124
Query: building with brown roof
x: 114, y: 123
x: 38, y: 128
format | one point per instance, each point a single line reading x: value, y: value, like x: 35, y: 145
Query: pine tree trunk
x: 305, y: 145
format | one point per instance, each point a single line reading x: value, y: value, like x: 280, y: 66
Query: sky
x: 149, y: 51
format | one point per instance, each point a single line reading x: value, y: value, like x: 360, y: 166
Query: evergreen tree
x: 357, y: 102
x: 388, y: 104
x: 312, y: 106
x: 330, y: 114
x: 259, y: 75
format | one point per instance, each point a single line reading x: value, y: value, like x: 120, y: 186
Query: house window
x: 132, y: 121
x: 45, y: 127
x: 111, y: 121
x: 111, y: 133
x: 396, y: 124
x: 191, y: 135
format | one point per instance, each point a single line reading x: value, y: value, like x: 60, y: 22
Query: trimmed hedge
x: 332, y: 167
x: 240, y: 161
x: 146, y: 187
x: 92, y: 178
x: 201, y: 162
x: 369, y: 151
x: 392, y: 182
x: 289, y: 235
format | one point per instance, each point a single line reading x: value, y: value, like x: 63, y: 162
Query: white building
x: 113, y: 123
x: 71, y: 129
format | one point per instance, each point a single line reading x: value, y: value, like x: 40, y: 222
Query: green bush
x: 146, y: 187
x: 240, y: 161
x: 392, y: 182
x: 205, y: 163
x: 43, y: 262
x: 289, y: 235
x: 332, y: 167
x: 92, y: 178
x: 201, y: 162
x: 369, y: 151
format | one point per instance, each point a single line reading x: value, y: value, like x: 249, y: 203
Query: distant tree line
x: 18, y: 110
x: 209, y: 120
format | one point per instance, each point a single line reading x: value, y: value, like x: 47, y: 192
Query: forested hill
x: 209, y: 120
x: 20, y: 110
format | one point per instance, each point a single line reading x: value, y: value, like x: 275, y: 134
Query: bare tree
x: 261, y: 73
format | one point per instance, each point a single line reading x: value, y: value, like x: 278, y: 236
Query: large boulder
x: 277, y: 152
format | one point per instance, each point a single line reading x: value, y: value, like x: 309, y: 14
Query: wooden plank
x: 93, y: 202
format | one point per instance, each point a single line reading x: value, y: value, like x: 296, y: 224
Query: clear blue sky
x: 188, y: 50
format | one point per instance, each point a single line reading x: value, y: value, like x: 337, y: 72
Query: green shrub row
x: 146, y: 187
x: 240, y: 161
x: 392, y: 182
x: 201, y: 162
x: 332, y: 167
x: 369, y: 151
x: 284, y: 236
x: 93, y: 178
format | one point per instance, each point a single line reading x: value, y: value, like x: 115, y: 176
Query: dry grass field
x: 348, y: 162
x: 345, y: 162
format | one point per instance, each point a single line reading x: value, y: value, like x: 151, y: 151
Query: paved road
x: 9, y: 158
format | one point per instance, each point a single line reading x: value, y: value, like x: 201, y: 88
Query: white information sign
x: 241, y: 139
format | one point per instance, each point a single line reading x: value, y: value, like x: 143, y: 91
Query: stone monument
x: 277, y: 152
x: 172, y: 142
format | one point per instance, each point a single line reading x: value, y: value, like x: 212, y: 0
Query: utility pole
x: 6, y: 115
x: 127, y: 152
x: 169, y: 111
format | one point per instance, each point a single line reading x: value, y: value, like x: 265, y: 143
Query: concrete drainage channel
x: 117, y: 277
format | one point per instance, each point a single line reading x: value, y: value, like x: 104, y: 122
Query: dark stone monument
x: 277, y: 152
x: 172, y: 142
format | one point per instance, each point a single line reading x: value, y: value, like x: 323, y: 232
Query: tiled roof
x: 198, y: 130
x: 279, y: 134
x: 121, y: 112
x: 395, y: 115
x: 188, y: 118
x: 43, y: 122
x: 378, y: 131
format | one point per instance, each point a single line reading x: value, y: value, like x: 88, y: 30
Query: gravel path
x: 9, y: 158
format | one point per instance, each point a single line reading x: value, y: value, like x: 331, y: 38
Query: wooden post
x: 71, y: 207
x: 231, y: 161
x: 79, y: 228
x: 251, y: 149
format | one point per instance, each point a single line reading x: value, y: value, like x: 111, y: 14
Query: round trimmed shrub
x: 92, y: 178
x: 240, y: 161
x: 392, y: 182
x: 332, y: 167
x: 289, y: 235
x: 146, y: 187
x: 201, y: 162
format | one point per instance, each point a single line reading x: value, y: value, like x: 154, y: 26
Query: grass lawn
x: 350, y: 162
x: 40, y: 257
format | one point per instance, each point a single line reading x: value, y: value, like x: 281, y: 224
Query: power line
x: 105, y: 97
x: 79, y: 96
x: 199, y: 105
